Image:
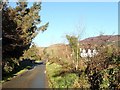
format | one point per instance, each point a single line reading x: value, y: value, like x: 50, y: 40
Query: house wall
x: 88, y: 52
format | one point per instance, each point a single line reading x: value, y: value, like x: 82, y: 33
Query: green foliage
x: 82, y: 82
x: 32, y: 53
x: 21, y: 71
x: 65, y: 81
x: 45, y: 53
x: 74, y: 45
x: 101, y: 72
x: 105, y: 68
x: 110, y: 78
x: 73, y: 41
x: 20, y: 25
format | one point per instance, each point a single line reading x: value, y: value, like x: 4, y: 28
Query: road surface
x: 34, y: 78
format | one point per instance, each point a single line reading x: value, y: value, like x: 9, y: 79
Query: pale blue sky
x: 66, y: 18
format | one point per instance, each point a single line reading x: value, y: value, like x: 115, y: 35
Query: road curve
x: 34, y: 78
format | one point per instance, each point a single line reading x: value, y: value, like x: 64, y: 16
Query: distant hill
x: 63, y: 50
x: 102, y: 38
x: 56, y: 50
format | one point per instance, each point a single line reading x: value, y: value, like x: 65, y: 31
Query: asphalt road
x: 34, y: 78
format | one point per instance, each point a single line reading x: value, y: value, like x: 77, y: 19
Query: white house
x: 95, y: 52
x: 83, y: 53
x: 88, y: 53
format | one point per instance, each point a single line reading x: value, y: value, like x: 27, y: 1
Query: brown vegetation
x: 101, y: 71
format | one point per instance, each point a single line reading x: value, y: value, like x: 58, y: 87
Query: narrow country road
x: 34, y: 78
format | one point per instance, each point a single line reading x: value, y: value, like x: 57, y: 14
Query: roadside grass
x: 17, y: 72
x: 12, y: 75
x: 61, y: 81
x: 21, y: 71
x: 37, y: 61
x: 82, y: 82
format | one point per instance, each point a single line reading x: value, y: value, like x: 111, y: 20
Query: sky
x: 87, y: 19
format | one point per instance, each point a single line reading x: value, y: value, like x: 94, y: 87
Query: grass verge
x: 14, y: 75
x: 21, y: 71
x: 59, y: 81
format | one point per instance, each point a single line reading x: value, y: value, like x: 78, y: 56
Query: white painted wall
x: 88, y: 53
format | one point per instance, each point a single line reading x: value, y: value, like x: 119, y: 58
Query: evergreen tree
x: 32, y: 53
x: 19, y: 28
